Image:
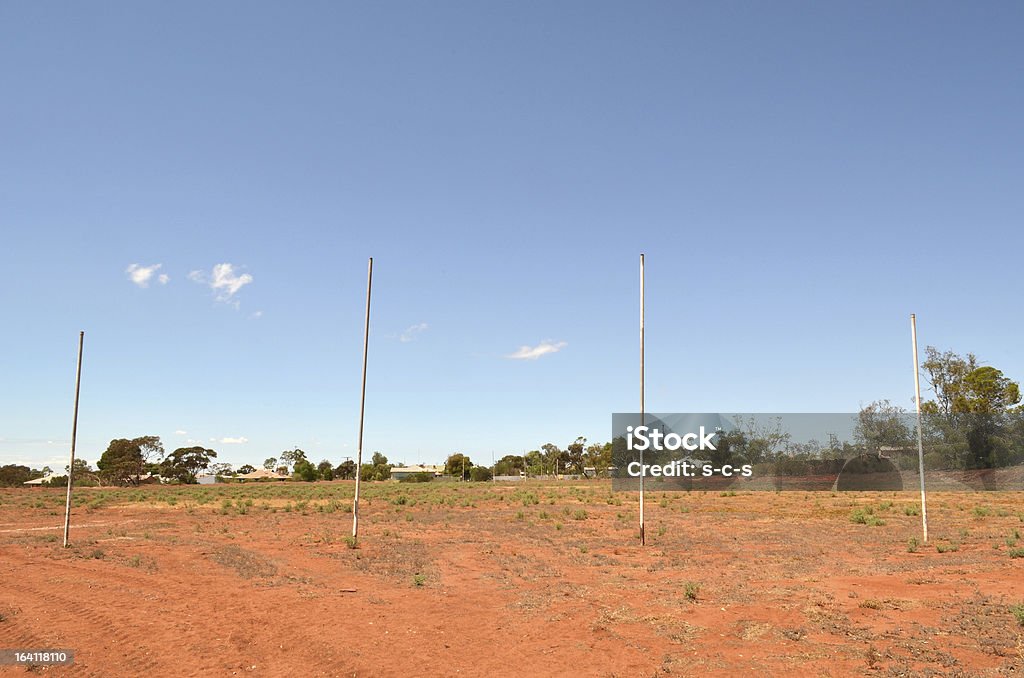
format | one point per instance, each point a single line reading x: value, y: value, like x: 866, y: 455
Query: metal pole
x: 920, y: 438
x: 362, y: 404
x: 74, y: 437
x: 642, y: 539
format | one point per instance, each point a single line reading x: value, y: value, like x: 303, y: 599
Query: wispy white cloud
x: 534, y: 352
x: 180, y: 432
x: 411, y: 332
x: 141, y: 275
x: 224, y: 282
x: 257, y: 315
x: 241, y: 440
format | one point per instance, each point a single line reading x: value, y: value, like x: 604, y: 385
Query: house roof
x: 259, y: 473
x: 417, y: 469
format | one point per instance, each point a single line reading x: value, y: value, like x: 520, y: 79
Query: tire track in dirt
x: 16, y: 635
x: 104, y: 630
x: 61, y: 527
x: 140, y: 606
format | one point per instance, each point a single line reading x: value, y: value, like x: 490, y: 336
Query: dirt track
x: 482, y: 581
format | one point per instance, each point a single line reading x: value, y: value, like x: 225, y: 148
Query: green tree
x: 599, y: 456
x: 989, y: 392
x: 82, y: 471
x: 534, y: 462
x: 972, y: 414
x: 249, y: 468
x: 305, y: 470
x: 882, y: 425
x: 574, y: 455
x: 458, y: 464
x: 325, y: 470
x: 555, y: 458
x: 759, y: 442
x: 375, y: 472
x: 186, y: 462
x: 480, y: 474
x: 12, y: 475
x: 379, y: 459
x: 510, y: 465
x: 270, y: 463
x: 346, y: 470
x: 124, y: 461
x: 290, y: 458
x: 220, y: 469
x: 946, y: 373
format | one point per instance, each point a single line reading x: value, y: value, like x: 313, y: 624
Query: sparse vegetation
x: 409, y: 529
x: 866, y: 517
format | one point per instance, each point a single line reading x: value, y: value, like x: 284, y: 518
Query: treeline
x: 974, y: 421
x: 550, y: 459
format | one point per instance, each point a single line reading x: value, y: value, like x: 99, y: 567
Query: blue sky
x: 801, y: 177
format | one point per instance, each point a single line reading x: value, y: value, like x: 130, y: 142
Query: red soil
x: 782, y: 584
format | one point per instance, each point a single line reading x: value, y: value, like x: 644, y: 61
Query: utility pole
x: 642, y: 540
x: 74, y: 437
x: 362, y: 403
x: 920, y: 437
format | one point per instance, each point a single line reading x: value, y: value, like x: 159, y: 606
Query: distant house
x: 400, y: 472
x: 42, y: 480
x: 260, y: 474
x: 206, y: 480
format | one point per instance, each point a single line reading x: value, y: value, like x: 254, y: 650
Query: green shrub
x: 866, y: 517
x: 423, y: 477
x: 480, y: 474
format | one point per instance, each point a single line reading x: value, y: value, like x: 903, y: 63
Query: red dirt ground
x: 479, y: 580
